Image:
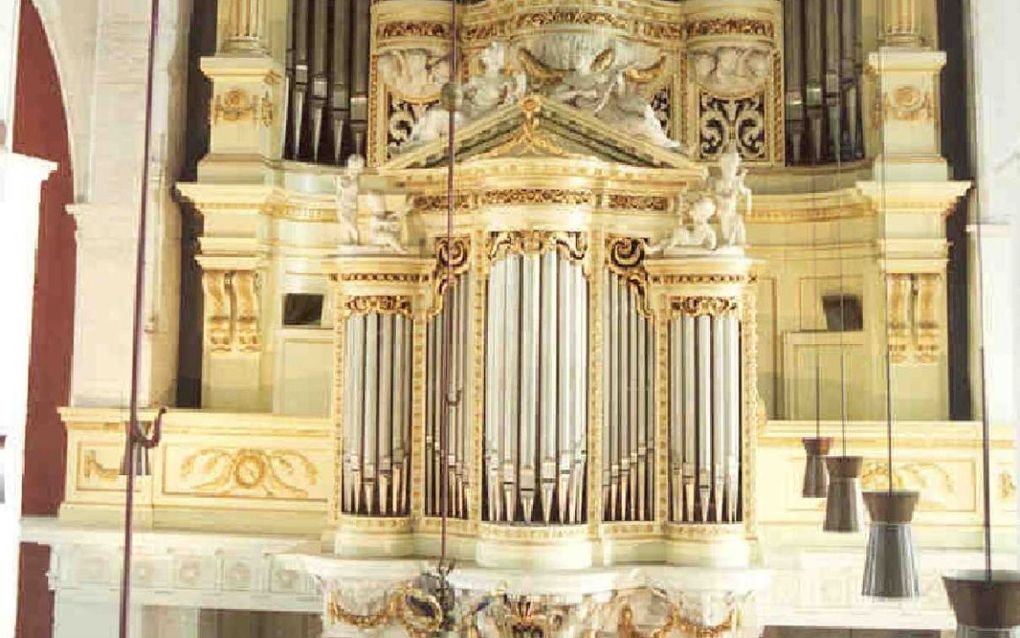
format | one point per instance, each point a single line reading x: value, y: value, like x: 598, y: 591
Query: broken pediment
x: 538, y: 127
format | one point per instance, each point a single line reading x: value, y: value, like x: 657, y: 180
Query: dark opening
x: 843, y: 313
x: 301, y: 309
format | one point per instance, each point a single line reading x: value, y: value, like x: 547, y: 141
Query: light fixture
x: 890, y: 567
x: 843, y: 497
x: 137, y: 445
x: 816, y: 448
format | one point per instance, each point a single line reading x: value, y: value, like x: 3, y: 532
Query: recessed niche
x: 302, y: 309
x: 843, y: 313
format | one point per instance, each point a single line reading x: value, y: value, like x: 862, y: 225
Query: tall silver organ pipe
x: 456, y: 465
x: 824, y: 63
x: 704, y: 418
x: 327, y: 74
x: 377, y: 415
x: 628, y: 440
x: 536, y: 389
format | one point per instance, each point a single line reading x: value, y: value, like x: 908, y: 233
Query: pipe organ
x: 536, y: 385
x: 823, y: 66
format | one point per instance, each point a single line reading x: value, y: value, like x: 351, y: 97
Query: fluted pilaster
x: 245, y: 27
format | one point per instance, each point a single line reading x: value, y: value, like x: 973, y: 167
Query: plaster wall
x: 100, y: 47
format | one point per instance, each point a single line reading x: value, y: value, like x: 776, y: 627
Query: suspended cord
x: 451, y: 393
x: 817, y: 340
x: 842, y: 288
x: 888, y: 293
x: 134, y: 435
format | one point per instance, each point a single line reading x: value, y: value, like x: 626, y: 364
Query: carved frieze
x: 697, y: 306
x: 379, y: 304
x: 573, y: 246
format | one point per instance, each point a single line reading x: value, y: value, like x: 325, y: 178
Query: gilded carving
x: 926, y: 311
x: 729, y: 26
x: 410, y: 29
x: 245, y: 285
x: 697, y: 306
x: 655, y: 203
x: 573, y: 246
x: 932, y: 480
x: 218, y: 302
x: 416, y: 610
x: 379, y: 304
x: 625, y: 258
x: 237, y: 106
x: 274, y: 473
x: 535, y: 196
x: 91, y: 467
x: 908, y: 103
x: 1007, y: 487
x: 899, y: 327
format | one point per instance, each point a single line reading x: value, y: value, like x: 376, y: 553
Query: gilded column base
x: 724, y: 546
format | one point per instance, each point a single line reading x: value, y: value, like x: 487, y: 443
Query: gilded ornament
x: 934, y: 483
x: 572, y: 246
x: 408, y: 29
x: 273, y: 472
x: 236, y: 106
x: 625, y: 258
x: 655, y: 203
x: 1007, y: 487
x: 908, y: 103
x: 697, y: 306
x: 90, y: 466
x: 729, y: 26
x: 379, y: 304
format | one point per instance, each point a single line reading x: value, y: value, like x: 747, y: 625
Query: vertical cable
x: 133, y: 433
x: 448, y: 325
x: 885, y: 274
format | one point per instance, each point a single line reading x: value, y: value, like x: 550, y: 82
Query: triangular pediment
x: 537, y: 127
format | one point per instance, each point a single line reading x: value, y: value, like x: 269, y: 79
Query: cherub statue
x: 728, y: 189
x: 387, y: 228
x: 482, y: 93
x: 700, y: 234
x: 414, y: 73
x: 347, y: 199
x: 599, y: 86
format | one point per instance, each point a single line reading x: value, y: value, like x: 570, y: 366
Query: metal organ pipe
x: 328, y: 73
x: 455, y: 466
x: 629, y: 415
x: 536, y: 389
x: 705, y: 417
x: 376, y: 415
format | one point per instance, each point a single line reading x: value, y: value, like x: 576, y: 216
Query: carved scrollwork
x: 409, y: 29
x: 572, y: 246
x: 662, y: 106
x: 697, y: 306
x: 453, y: 258
x: 625, y: 257
x: 741, y: 120
x: 530, y: 196
x: 231, y: 315
x: 379, y: 304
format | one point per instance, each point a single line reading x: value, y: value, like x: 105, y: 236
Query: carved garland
x: 419, y: 613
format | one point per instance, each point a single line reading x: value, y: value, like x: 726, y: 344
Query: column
x: 246, y: 112
x: 20, y: 180
x: 245, y: 27
x: 900, y: 23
